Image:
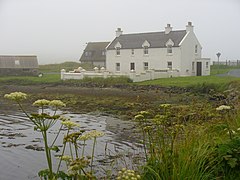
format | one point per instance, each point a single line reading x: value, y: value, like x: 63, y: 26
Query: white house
x: 170, y: 50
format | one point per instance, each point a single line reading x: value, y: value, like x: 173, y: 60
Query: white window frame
x: 118, y: 67
x: 132, y: 64
x: 145, y: 66
x: 145, y: 50
x: 169, y: 49
x: 207, y: 65
x: 169, y: 65
x: 118, y: 53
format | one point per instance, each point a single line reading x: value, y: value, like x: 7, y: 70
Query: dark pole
x: 218, y: 56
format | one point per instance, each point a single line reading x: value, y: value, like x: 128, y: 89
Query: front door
x: 199, y: 68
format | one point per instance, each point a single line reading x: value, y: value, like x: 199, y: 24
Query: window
x: 145, y: 50
x: 132, y: 66
x: 17, y: 62
x: 88, y: 53
x: 169, y: 65
x: 103, y: 53
x: 206, y: 65
x: 169, y: 49
x: 117, y: 66
x: 196, y: 49
x: 132, y: 51
x: 193, y: 66
x: 145, y: 66
x: 118, y: 51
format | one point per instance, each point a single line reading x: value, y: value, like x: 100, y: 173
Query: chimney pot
x: 119, y: 32
x: 168, y: 29
x: 189, y: 27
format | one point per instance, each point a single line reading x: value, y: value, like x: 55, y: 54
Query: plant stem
x: 83, y: 147
x: 94, y: 144
x: 48, y: 153
x: 56, y: 136
x: 64, y: 147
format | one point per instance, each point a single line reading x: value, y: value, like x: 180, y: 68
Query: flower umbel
x: 96, y: 134
x: 56, y: 103
x: 16, y: 96
x: 70, y: 124
x: 128, y: 174
x: 41, y: 103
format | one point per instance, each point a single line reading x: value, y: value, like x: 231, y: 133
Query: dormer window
x: 145, y: 50
x: 118, y: 51
x: 196, y: 49
x: 118, y: 47
x: 145, y: 47
x: 169, y: 45
x: 169, y: 49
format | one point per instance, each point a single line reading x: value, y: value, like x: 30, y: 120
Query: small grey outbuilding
x: 18, y: 65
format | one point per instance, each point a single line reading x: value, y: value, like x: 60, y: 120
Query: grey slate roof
x: 96, y: 49
x: 25, y: 61
x: 156, y: 39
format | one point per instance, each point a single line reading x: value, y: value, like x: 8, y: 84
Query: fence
x: 227, y: 63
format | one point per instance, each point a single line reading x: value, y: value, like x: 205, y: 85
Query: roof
x: 155, y: 39
x: 18, y: 61
x: 96, y: 49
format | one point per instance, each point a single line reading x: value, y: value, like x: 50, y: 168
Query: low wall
x: 148, y: 75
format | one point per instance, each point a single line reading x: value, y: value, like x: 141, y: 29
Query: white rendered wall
x: 157, y: 59
x: 188, y: 54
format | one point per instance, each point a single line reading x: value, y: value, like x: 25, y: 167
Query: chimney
x: 189, y: 27
x: 119, y: 32
x: 168, y: 29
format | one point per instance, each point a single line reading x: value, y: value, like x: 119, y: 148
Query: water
x: 16, y: 133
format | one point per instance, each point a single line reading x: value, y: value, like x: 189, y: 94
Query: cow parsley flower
x: 16, y: 96
x: 41, y: 103
x: 96, y: 133
x: 85, y: 137
x: 223, y: 107
x: 128, y: 174
x: 56, y: 103
x: 70, y: 124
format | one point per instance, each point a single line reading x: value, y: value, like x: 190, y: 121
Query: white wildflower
x: 223, y: 107
x: 70, y: 124
x: 56, y: 103
x: 16, y: 96
x: 41, y: 103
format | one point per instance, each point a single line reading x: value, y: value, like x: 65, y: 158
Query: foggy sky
x: 58, y: 30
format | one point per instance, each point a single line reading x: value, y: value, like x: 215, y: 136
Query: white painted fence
x: 147, y: 75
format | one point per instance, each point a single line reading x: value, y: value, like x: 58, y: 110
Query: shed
x: 18, y: 65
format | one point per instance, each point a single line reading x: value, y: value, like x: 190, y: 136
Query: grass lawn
x: 190, y: 81
x: 29, y: 80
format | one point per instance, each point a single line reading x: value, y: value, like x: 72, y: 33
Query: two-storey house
x: 169, y: 50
